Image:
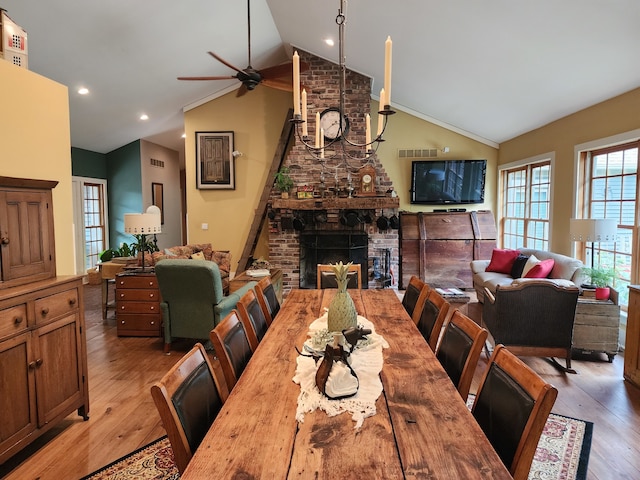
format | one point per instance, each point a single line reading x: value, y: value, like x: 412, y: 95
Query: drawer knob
x: 153, y: 323
x: 32, y: 365
x: 122, y: 295
x: 17, y: 320
x: 151, y: 295
x: 72, y: 301
x: 153, y: 308
x: 5, y: 240
x: 38, y: 362
x: 151, y: 284
x: 45, y: 311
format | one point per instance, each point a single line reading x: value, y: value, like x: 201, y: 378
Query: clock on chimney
x: 367, y: 181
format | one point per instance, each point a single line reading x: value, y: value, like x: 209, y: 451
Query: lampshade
x: 593, y: 229
x: 143, y: 223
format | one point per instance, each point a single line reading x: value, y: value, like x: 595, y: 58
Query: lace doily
x: 366, y: 360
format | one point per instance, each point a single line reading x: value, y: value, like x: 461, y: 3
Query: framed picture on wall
x: 157, y: 198
x: 215, y: 167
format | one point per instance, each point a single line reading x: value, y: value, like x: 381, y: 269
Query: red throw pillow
x: 541, y: 270
x: 502, y: 260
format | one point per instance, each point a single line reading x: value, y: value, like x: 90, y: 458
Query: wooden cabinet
x: 27, y: 250
x: 138, y: 311
x: 438, y: 247
x: 632, y: 342
x: 597, y: 325
x: 43, y: 360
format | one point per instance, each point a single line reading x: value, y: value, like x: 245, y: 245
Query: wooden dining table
x: 421, y: 429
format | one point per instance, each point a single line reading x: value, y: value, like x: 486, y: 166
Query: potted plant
x: 284, y: 182
x: 602, y: 278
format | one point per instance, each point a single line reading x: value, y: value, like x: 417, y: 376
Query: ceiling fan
x: 279, y: 76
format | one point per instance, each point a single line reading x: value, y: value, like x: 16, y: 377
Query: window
x: 94, y: 223
x: 610, y: 188
x: 524, y: 211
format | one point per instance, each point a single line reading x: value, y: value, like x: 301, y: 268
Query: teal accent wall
x: 85, y: 163
x: 124, y: 174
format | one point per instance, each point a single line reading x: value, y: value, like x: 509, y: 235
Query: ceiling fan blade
x: 283, y: 85
x: 224, y: 62
x: 207, y: 78
x: 242, y: 90
x: 284, y: 70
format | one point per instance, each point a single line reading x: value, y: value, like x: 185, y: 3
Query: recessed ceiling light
x: 83, y: 90
x: 144, y: 116
x: 330, y: 42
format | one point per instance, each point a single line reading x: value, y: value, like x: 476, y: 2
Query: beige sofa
x: 567, y: 271
x: 202, y: 251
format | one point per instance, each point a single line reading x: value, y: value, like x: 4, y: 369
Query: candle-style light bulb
x: 380, y: 116
x: 296, y: 83
x: 387, y: 71
x: 305, y: 125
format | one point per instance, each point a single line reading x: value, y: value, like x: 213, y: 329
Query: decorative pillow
x: 198, y: 256
x: 223, y: 259
x: 532, y: 262
x: 541, y: 270
x: 518, y: 265
x: 169, y: 253
x: 502, y: 260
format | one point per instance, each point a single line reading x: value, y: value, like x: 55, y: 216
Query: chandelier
x: 332, y: 128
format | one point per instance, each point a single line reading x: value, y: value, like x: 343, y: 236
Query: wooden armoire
x: 43, y: 359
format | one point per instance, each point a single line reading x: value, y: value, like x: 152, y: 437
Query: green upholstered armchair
x: 193, y: 302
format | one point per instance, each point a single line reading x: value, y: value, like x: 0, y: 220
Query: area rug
x: 562, y: 454
x: 153, y: 461
x: 563, y: 448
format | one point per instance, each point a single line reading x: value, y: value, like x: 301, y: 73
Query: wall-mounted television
x: 438, y: 182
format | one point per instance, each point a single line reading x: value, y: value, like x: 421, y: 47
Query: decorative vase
x: 602, y: 293
x: 342, y: 311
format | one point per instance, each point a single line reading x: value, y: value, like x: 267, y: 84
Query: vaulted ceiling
x: 492, y: 69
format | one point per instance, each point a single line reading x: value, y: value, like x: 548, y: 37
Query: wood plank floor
x: 123, y: 417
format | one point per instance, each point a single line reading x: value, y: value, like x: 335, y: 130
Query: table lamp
x: 143, y: 224
x: 593, y: 230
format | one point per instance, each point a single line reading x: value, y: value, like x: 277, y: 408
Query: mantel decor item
x: 142, y: 224
x: 215, y: 161
x: 342, y: 313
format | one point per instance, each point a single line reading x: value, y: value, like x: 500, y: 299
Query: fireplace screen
x: 331, y: 247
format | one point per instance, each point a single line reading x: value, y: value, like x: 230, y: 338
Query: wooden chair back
x: 188, y: 398
x: 327, y: 279
x: 232, y: 347
x: 459, y: 350
x: 253, y: 318
x: 411, y: 297
x: 267, y: 299
x: 431, y: 316
x: 512, y: 406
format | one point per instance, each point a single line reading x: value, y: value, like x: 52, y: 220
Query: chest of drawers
x: 138, y: 311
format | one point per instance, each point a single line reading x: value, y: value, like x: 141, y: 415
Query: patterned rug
x: 562, y: 454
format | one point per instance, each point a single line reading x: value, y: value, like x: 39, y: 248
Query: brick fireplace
x: 331, y: 226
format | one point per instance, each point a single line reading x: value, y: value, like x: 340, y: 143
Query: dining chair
x: 252, y: 317
x: 512, y: 406
x: 459, y: 350
x: 267, y: 298
x: 188, y: 398
x: 327, y: 279
x: 412, y: 294
x: 232, y: 347
x: 431, y: 316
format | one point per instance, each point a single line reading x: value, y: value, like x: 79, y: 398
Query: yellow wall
x: 35, y: 143
x: 407, y: 131
x: 256, y: 119
x: 612, y: 117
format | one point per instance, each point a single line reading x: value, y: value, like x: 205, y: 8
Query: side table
x: 138, y: 311
x: 456, y: 298
x: 241, y: 279
x: 108, y: 272
x: 597, y: 325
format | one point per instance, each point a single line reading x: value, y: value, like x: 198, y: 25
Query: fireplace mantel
x: 355, y: 203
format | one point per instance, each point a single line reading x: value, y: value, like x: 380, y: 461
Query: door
x: 26, y: 224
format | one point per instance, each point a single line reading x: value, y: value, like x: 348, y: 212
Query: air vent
x: 418, y: 153
x: 156, y: 163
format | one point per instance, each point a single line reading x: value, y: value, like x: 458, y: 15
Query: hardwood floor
x: 123, y: 416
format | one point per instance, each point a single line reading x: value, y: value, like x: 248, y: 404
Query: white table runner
x: 366, y: 361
